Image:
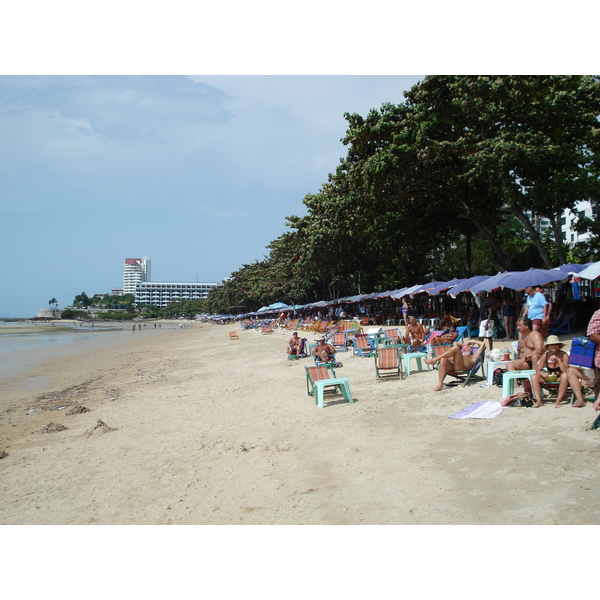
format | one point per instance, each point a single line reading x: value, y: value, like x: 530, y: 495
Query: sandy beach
x: 190, y: 427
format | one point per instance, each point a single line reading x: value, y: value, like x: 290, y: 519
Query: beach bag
x: 520, y: 399
x: 497, y: 377
x: 582, y: 353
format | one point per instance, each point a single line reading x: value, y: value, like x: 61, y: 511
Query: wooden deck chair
x: 339, y: 341
x: 393, y: 334
x: 316, y: 384
x: 233, y: 335
x: 388, y: 364
x: 466, y: 375
x: 561, y: 325
x: 363, y: 346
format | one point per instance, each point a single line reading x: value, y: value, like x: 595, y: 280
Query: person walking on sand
x: 133, y: 328
x: 461, y: 357
x: 486, y: 324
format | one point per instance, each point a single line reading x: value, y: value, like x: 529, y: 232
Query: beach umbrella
x: 572, y: 268
x: 465, y: 285
x: 444, y: 286
x: 532, y: 277
x: 278, y: 306
x: 406, y: 291
x: 425, y: 287
x: 590, y: 272
x: 490, y: 283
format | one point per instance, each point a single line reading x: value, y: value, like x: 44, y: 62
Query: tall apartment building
x: 135, y: 271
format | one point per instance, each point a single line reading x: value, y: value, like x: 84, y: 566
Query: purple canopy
x: 531, y: 277
x: 465, y: 286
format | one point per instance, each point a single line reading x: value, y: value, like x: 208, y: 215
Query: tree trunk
x: 560, y: 250
x: 468, y: 255
x: 534, y: 236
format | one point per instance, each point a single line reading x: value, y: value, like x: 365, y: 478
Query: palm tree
x: 53, y: 301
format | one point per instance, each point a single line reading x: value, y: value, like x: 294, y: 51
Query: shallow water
x: 24, y: 346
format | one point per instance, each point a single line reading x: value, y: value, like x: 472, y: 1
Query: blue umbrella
x: 444, y: 286
x: 490, y: 283
x: 465, y: 286
x: 572, y: 268
x: 532, y: 277
x: 426, y: 286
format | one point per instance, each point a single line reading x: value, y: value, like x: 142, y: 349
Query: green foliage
x: 438, y: 187
x: 69, y: 313
x: 183, y: 308
x: 119, y: 316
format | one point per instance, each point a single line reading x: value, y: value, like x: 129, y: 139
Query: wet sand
x: 201, y: 429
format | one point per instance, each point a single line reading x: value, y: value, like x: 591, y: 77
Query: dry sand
x: 190, y: 427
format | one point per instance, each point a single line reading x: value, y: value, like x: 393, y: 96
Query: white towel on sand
x: 484, y: 409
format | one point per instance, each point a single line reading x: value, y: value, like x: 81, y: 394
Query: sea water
x: 25, y: 346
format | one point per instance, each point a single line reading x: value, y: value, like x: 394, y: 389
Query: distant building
x: 568, y: 219
x: 135, y: 270
x: 162, y: 293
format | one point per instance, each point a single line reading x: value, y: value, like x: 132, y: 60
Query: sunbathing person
x: 295, y: 345
x: 414, y: 334
x: 324, y: 352
x: 552, y: 366
x: 446, y: 338
x: 530, y: 347
x: 461, y: 357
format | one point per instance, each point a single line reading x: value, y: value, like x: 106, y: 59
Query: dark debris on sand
x: 52, y: 428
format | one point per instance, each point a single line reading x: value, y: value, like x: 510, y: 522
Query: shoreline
x: 207, y: 430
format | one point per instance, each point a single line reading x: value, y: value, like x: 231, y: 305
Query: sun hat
x: 552, y: 339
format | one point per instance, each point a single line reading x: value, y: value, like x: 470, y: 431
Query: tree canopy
x: 443, y: 185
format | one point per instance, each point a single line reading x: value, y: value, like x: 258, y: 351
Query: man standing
x: 535, y: 307
x: 593, y: 332
x: 547, y: 310
x: 486, y: 324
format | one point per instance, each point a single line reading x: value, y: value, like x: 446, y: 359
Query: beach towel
x: 484, y: 409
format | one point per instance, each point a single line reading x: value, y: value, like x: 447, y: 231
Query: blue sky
x: 198, y: 173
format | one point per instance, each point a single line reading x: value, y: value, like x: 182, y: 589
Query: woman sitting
x: 449, y: 337
x: 553, y: 366
x: 461, y: 357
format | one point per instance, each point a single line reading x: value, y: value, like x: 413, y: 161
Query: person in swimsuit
x: 405, y: 310
x: 295, y: 345
x: 461, y: 357
x: 509, y: 314
x: 446, y: 338
x: 324, y: 352
x: 556, y: 365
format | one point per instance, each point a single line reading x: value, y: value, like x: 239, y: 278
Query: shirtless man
x: 325, y: 352
x: 294, y: 345
x: 530, y: 347
x: 458, y: 358
x: 414, y: 334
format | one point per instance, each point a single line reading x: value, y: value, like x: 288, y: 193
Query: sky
x: 109, y: 149
x: 196, y: 172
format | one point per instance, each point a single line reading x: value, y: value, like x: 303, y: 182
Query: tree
x: 53, y: 302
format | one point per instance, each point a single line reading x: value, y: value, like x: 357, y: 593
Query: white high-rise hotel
x: 135, y: 271
x: 137, y: 281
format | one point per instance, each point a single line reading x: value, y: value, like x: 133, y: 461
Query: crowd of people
x: 536, y: 350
